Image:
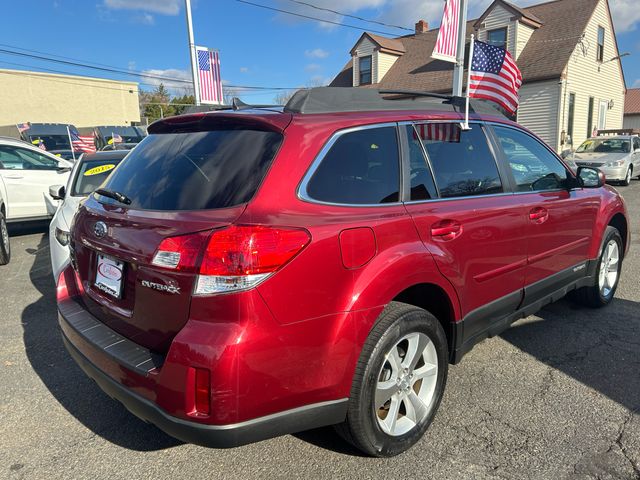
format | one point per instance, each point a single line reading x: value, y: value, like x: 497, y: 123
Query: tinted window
x: 195, y: 170
x: 420, y: 177
x: 533, y: 165
x: 636, y: 143
x: 91, y: 174
x: 462, y: 162
x: 22, y: 159
x: 362, y: 167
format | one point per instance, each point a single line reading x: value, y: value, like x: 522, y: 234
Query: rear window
x: 195, y: 170
x: 91, y: 174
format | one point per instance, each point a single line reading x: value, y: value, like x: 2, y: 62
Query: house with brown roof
x: 566, y: 49
x: 632, y: 109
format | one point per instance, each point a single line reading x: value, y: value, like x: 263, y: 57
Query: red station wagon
x: 246, y: 274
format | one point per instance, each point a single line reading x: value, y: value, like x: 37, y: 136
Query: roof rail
x: 357, y: 99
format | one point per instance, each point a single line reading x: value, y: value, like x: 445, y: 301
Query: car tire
x: 627, y: 180
x: 5, y: 245
x: 413, y: 384
x: 611, y: 255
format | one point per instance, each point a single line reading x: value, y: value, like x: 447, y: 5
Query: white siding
x: 586, y: 77
x: 499, y: 18
x: 523, y: 34
x: 384, y: 61
x: 539, y: 110
x: 364, y: 49
x: 631, y: 121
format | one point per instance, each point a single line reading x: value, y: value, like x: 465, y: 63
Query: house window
x: 572, y: 115
x: 497, y: 37
x: 364, y: 67
x: 590, y: 118
x: 600, y: 44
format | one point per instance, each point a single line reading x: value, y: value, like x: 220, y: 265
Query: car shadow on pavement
x: 78, y: 394
x: 599, y: 348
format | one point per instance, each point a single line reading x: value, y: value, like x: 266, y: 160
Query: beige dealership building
x: 38, y: 97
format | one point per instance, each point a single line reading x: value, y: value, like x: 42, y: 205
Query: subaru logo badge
x: 100, y: 229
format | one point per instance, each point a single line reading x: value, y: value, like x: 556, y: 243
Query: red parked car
x: 247, y: 274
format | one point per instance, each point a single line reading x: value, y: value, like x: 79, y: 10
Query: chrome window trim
x: 302, y: 193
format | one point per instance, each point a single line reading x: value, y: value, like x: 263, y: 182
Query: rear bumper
x: 218, y: 436
x: 132, y: 375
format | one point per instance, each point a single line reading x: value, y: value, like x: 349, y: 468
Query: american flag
x: 23, y: 126
x: 447, y: 43
x: 439, y: 132
x: 209, y: 76
x: 495, y: 76
x: 81, y: 143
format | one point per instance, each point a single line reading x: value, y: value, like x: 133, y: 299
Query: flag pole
x: 467, y: 100
x: 73, y: 152
x: 192, y: 53
x: 458, y: 69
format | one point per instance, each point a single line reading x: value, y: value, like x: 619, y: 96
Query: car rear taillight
x: 240, y: 257
x: 180, y: 253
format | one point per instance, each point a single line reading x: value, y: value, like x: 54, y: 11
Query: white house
x: 566, y: 49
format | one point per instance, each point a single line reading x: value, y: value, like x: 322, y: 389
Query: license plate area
x: 109, y: 275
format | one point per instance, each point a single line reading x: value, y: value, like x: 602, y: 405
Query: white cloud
x: 312, y: 67
x: 316, y: 53
x: 244, y: 69
x: 636, y: 84
x: 131, y: 64
x: 626, y: 15
x: 171, y: 73
x: 163, y: 7
x: 145, y: 19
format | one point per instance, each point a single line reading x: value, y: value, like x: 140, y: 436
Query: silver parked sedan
x: 618, y: 157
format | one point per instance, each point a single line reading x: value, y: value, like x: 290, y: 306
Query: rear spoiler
x: 197, y: 122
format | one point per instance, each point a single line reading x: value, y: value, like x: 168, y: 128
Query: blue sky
x: 257, y: 47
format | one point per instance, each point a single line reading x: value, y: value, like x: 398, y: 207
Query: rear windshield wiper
x: 115, y: 195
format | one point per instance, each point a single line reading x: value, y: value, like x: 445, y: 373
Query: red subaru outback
x: 247, y: 274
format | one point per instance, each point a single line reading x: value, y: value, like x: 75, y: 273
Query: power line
x: 124, y: 72
x: 350, y: 16
x: 308, y: 17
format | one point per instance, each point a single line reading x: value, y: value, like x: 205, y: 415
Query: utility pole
x: 192, y: 53
x: 458, y: 69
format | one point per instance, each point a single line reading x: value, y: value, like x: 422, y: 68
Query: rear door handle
x: 539, y: 215
x: 13, y: 177
x: 446, y: 230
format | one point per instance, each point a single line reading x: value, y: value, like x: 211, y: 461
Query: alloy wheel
x: 609, y: 268
x: 406, y: 384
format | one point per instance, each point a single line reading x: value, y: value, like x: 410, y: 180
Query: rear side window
x: 463, y: 164
x: 533, y: 166
x: 361, y: 168
x: 195, y: 170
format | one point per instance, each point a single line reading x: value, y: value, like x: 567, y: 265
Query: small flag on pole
x: 23, y: 126
x: 494, y: 76
x: 81, y: 143
x: 209, y: 78
x: 447, y: 43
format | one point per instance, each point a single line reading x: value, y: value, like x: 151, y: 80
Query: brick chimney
x: 422, y: 27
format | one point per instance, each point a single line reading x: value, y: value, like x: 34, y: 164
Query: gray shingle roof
x: 544, y: 57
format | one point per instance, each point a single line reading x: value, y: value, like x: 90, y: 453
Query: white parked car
x: 618, y: 157
x: 26, y: 172
x: 88, y: 173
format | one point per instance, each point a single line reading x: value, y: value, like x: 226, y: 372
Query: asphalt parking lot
x: 556, y: 396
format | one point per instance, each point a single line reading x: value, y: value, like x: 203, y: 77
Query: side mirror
x: 57, y: 192
x: 591, y: 177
